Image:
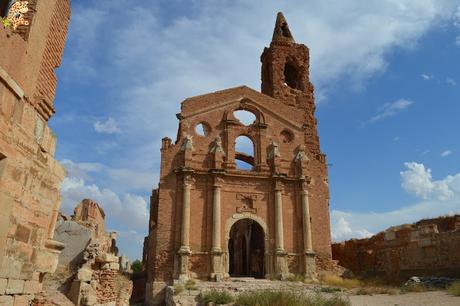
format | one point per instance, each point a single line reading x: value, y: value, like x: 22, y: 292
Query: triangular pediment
x: 242, y: 95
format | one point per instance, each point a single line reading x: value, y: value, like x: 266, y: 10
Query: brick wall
x: 29, y: 174
x: 427, y: 248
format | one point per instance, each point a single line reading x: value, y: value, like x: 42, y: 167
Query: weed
x: 337, y: 281
x: 287, y: 298
x: 376, y: 290
x: 330, y: 289
x: 454, y: 289
x: 178, y: 289
x: 190, y: 285
x: 216, y: 296
x: 415, y: 288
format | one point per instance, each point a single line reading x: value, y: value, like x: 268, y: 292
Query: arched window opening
x: 291, y: 76
x: 244, y: 153
x: 202, y: 129
x: 245, y: 117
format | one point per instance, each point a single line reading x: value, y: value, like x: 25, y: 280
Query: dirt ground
x: 431, y: 298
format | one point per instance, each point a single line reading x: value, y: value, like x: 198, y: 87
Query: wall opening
x: 4, y: 7
x: 202, y: 129
x: 245, y: 117
x: 291, y: 76
x: 244, y: 153
x: 246, y: 249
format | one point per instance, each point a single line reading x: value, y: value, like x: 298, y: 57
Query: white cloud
x: 451, y: 81
x: 426, y: 76
x: 417, y: 180
x: 107, y: 127
x: 342, y: 230
x: 436, y: 198
x: 391, y: 109
x: 125, y: 210
x: 446, y: 153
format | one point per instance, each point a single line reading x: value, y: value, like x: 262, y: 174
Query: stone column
x: 279, y: 235
x: 184, y: 250
x: 280, y: 253
x: 309, y: 254
x: 216, y: 250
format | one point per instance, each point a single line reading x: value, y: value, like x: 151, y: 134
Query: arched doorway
x: 246, y: 249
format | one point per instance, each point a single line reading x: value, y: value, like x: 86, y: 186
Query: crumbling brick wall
x: 29, y: 174
x: 429, y: 247
x: 97, y: 277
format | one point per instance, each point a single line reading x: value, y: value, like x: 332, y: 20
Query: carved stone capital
x: 218, y: 181
x: 279, y: 186
x: 189, y: 180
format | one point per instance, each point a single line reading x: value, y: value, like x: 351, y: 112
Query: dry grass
x: 296, y: 278
x: 337, y: 281
x: 218, y: 297
x: 178, y: 289
x: 287, y: 298
x: 416, y: 288
x: 454, y: 289
x: 190, y: 285
x: 377, y: 290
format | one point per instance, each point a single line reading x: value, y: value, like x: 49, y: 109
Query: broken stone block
x: 84, y: 274
x: 106, y: 257
x: 110, y: 266
x: 6, y: 300
x: 32, y: 287
x: 3, y: 283
x: 46, y: 261
x: 21, y: 300
x: 14, y: 286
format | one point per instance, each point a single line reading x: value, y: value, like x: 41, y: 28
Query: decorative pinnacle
x: 281, y: 33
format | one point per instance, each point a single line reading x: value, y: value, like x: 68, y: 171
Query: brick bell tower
x: 285, y: 76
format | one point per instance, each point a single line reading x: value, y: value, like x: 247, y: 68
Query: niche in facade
x: 245, y: 117
x: 244, y: 153
x: 286, y: 136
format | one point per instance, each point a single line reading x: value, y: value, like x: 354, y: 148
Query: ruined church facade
x: 210, y: 218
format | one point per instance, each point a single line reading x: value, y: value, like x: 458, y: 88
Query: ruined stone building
x: 211, y: 217
x: 89, y: 266
x: 32, y: 38
x: 429, y: 247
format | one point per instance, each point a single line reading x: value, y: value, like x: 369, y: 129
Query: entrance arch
x: 246, y: 249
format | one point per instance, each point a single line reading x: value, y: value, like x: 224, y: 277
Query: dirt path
x: 432, y: 298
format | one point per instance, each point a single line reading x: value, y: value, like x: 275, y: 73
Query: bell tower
x: 285, y: 77
x: 285, y: 66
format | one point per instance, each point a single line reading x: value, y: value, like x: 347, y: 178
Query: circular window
x: 286, y: 136
x: 202, y: 129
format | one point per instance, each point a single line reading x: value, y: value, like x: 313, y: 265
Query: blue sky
x: 387, y: 85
